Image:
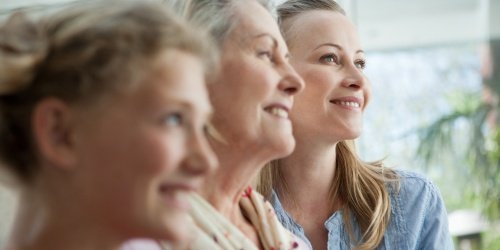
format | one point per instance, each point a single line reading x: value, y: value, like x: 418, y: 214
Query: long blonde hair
x: 360, y: 185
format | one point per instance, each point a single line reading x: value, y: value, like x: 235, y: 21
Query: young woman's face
x: 254, y: 93
x: 142, y: 150
x: 327, y: 53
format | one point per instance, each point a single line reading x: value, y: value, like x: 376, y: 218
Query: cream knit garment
x: 214, y: 231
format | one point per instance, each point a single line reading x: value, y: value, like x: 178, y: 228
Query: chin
x: 284, y: 147
x: 177, y: 232
x: 356, y: 134
x: 350, y: 133
x: 172, y: 227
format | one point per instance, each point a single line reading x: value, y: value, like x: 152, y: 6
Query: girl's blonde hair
x: 360, y: 186
x: 77, y: 55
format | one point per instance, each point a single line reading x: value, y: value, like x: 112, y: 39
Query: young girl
x: 102, y: 111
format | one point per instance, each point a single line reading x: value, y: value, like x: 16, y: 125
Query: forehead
x: 253, y: 19
x: 179, y: 76
x: 322, y: 26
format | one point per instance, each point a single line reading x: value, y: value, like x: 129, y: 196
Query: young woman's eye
x: 360, y: 64
x: 330, y: 58
x: 173, y: 119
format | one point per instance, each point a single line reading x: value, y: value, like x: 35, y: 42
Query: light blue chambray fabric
x: 418, y: 219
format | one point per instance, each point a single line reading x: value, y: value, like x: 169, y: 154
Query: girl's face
x: 327, y: 53
x: 142, y: 150
x: 254, y: 93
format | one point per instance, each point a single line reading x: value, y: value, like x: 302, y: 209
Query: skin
x: 121, y: 167
x: 327, y: 53
x: 251, y: 98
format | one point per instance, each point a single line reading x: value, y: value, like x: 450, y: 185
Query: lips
x: 176, y: 195
x: 278, y: 110
x: 348, y: 102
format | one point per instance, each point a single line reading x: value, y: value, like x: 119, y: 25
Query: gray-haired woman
x: 252, y: 97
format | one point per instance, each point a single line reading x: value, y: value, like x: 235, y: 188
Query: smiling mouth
x: 346, y: 103
x: 176, y: 196
x: 277, y: 111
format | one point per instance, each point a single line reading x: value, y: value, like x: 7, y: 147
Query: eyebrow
x: 336, y: 46
x: 187, y: 105
x: 275, y: 42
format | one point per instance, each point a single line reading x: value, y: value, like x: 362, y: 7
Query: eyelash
x: 360, y: 64
x: 174, y: 115
x: 332, y: 56
x: 267, y: 54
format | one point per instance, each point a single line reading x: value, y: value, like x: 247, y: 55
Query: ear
x: 52, y: 130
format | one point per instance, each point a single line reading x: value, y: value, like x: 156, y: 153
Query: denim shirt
x: 418, y: 219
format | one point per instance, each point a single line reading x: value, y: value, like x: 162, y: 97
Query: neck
x: 311, y: 168
x: 41, y: 224
x: 237, y: 168
x: 225, y: 187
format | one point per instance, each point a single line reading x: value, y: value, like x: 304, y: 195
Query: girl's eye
x: 206, y: 129
x: 330, y: 58
x: 360, y: 64
x: 174, y: 119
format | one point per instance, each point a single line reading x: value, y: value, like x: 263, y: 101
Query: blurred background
x: 434, y: 66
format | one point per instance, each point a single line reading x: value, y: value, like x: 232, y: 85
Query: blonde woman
x: 322, y: 191
x: 102, y: 110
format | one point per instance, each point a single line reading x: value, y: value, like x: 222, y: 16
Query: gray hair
x: 217, y: 17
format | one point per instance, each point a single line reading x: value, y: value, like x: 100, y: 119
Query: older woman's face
x: 327, y: 53
x: 142, y: 151
x: 254, y: 93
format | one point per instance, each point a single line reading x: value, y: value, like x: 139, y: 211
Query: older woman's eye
x: 330, y: 58
x: 360, y: 64
x: 173, y: 119
x: 266, y: 55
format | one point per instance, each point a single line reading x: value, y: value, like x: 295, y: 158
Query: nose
x: 291, y: 83
x: 201, y: 159
x: 354, y: 78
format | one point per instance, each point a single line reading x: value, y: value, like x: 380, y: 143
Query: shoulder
x: 414, y: 192
x: 411, y: 176
x: 413, y: 185
x: 418, y: 211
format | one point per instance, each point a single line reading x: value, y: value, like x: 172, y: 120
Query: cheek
x: 243, y: 91
x: 161, y: 155
x: 367, y: 93
x: 319, y: 77
x: 315, y: 94
x: 316, y: 77
x: 250, y: 76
